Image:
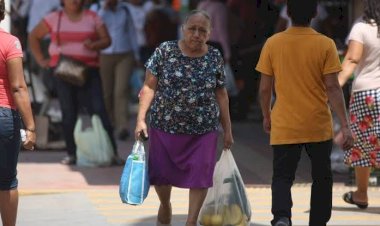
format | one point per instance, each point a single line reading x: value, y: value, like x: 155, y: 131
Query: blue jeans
x: 88, y: 97
x: 10, y: 143
x: 285, y: 161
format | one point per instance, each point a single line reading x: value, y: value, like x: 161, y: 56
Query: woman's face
x: 73, y: 5
x: 196, y: 31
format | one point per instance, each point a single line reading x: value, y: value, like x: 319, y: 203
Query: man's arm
x: 266, y: 84
x: 335, y: 96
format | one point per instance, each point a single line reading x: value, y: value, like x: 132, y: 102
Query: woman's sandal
x: 349, y: 198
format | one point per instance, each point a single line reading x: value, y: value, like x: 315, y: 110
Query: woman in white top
x: 363, y: 58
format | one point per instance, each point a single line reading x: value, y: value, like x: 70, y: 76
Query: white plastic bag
x: 226, y: 202
x: 94, y: 147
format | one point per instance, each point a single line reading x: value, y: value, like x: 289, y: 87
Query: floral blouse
x: 185, y: 102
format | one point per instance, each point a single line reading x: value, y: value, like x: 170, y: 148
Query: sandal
x: 349, y: 198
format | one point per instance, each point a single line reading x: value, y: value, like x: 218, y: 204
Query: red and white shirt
x: 72, y: 35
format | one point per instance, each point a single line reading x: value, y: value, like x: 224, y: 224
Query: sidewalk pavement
x: 103, y: 207
x: 52, y: 194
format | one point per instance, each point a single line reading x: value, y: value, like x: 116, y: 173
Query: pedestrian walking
x: 184, y: 91
x: 363, y: 58
x: 117, y: 62
x: 14, y: 108
x: 303, y: 65
x: 77, y: 33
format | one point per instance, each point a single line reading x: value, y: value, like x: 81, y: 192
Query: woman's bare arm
x: 20, y: 95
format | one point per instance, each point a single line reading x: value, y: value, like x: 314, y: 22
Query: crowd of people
x: 239, y: 30
x: 185, y: 95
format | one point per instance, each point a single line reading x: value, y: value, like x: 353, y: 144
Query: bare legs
x: 165, y: 209
x: 8, y: 207
x: 196, y: 198
x: 362, y: 178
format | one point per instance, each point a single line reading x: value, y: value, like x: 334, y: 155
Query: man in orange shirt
x: 303, y: 65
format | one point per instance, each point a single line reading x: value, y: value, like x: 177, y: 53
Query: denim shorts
x: 10, y: 143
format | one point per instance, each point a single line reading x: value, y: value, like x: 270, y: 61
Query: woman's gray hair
x: 196, y: 12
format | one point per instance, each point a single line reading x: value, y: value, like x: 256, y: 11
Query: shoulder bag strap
x: 58, y: 29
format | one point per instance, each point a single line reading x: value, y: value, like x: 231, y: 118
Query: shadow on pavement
x: 100, y: 175
x: 50, y: 156
x: 371, y: 210
x: 177, y: 220
x: 92, y: 175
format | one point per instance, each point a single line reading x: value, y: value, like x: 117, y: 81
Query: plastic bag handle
x: 137, y: 147
x: 78, y: 126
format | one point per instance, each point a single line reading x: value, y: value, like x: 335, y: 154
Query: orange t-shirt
x: 298, y: 58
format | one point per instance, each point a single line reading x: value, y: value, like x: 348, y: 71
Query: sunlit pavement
x: 103, y: 207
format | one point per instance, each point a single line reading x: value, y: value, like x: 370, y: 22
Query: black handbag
x: 68, y: 69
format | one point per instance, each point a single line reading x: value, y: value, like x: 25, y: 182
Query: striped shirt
x: 72, y: 35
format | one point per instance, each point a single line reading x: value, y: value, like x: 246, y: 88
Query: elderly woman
x: 79, y: 34
x: 14, y: 102
x: 363, y: 58
x: 184, y: 90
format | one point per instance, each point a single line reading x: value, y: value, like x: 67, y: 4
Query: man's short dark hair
x: 302, y: 11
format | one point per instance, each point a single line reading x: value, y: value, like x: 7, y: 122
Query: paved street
x: 52, y: 194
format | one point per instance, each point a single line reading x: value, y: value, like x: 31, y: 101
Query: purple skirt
x: 181, y: 160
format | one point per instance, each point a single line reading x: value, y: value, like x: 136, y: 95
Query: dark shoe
x: 349, y: 198
x: 124, y: 134
x: 117, y: 161
x: 283, y: 221
x: 69, y: 160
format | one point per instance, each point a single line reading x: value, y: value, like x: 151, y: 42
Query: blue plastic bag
x: 134, y: 181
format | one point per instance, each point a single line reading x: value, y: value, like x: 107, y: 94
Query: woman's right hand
x: 30, y: 140
x: 141, y: 127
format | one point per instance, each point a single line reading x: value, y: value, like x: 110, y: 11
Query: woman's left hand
x: 30, y: 140
x: 228, y: 140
